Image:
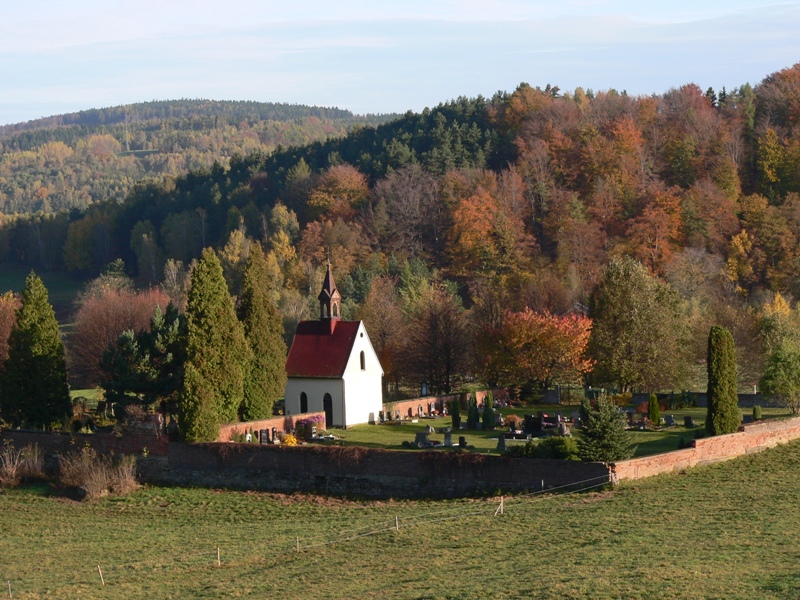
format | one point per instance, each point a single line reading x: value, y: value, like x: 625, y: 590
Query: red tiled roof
x: 315, y: 353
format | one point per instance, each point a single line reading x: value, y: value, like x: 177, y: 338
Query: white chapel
x: 332, y: 366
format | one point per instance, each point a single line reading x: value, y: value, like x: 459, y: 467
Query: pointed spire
x: 329, y: 297
x: 328, y: 285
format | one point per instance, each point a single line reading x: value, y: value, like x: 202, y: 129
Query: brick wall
x: 752, y: 437
x: 284, y: 424
x: 410, y: 408
x: 365, y: 472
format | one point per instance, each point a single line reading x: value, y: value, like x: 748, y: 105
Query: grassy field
x: 62, y: 288
x: 725, y: 531
x: 391, y: 435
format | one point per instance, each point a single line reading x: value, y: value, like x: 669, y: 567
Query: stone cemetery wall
x: 752, y: 437
x: 365, y: 472
x: 283, y: 424
x: 410, y: 408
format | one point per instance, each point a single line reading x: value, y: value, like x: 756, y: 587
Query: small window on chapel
x: 363, y: 362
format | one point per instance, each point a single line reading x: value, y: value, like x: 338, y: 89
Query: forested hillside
x: 461, y: 215
x: 75, y: 160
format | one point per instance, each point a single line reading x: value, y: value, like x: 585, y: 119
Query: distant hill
x: 74, y: 160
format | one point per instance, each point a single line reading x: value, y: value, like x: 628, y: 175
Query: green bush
x: 756, y: 413
x: 556, y: 447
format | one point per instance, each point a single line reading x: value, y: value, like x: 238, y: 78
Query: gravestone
x: 420, y: 413
x: 462, y: 441
x: 563, y: 430
x: 263, y: 436
x: 688, y: 422
x: 382, y: 416
x: 498, y: 420
x: 448, y: 439
x: 421, y: 439
x: 313, y: 431
x: 397, y: 415
x: 669, y: 421
x: 431, y: 408
x: 429, y: 429
x: 274, y: 437
x: 501, y: 442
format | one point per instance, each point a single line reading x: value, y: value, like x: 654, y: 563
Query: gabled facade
x: 332, y: 366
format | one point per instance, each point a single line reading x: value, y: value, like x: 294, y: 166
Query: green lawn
x: 725, y: 531
x: 62, y: 288
x: 392, y: 435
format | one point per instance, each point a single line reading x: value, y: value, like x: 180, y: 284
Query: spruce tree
x: 217, y: 354
x: 723, y: 400
x: 603, y: 434
x: 263, y: 329
x: 33, y: 389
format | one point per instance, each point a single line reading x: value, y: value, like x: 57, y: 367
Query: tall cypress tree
x: 263, y: 329
x: 33, y: 389
x: 723, y: 400
x: 216, y: 354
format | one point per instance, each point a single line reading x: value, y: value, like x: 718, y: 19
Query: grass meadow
x: 722, y: 531
x: 393, y: 434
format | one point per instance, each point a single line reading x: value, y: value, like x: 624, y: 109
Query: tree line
x: 219, y: 362
x: 485, y: 221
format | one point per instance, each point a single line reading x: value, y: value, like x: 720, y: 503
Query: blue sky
x: 375, y: 56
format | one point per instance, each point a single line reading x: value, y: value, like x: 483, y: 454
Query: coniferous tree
x: 723, y: 400
x: 653, y: 410
x: 263, y: 329
x: 147, y: 366
x: 473, y: 416
x: 603, y: 434
x: 488, y: 412
x: 33, y: 388
x: 216, y: 354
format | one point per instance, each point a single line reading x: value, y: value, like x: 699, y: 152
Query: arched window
x: 303, y: 402
x: 363, y: 362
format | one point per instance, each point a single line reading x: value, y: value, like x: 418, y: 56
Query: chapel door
x: 327, y: 406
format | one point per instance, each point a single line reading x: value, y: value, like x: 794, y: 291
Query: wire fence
x: 111, y: 573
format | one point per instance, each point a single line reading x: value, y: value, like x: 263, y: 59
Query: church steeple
x: 329, y: 299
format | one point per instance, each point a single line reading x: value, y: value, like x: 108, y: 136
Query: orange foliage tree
x: 545, y: 348
x: 102, y: 319
x: 9, y: 303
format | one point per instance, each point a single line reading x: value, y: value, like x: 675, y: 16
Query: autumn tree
x: 9, y: 304
x: 435, y: 348
x: 339, y: 193
x: 217, y: 355
x: 639, y: 329
x: 382, y: 314
x: 101, y: 319
x: 545, y: 348
x: 33, y: 384
x: 263, y: 329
